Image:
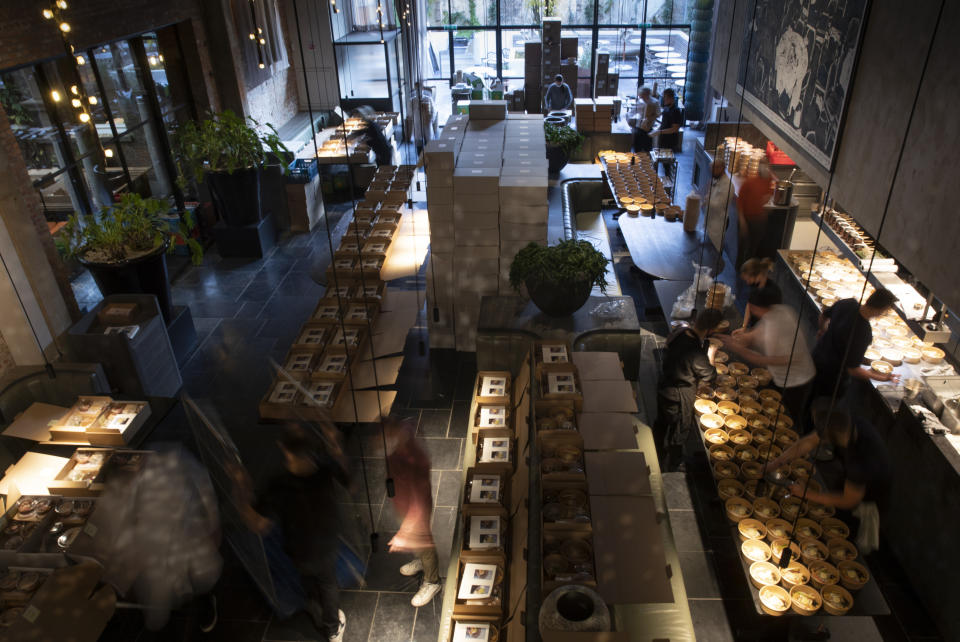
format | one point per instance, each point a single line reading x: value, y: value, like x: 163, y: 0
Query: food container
x: 726, y: 394
x: 765, y: 509
x: 728, y: 488
x: 774, y: 600
x: 807, y: 528
x: 726, y: 381
x: 801, y: 468
x: 755, y: 550
x: 786, y: 437
x: 790, y: 506
x: 911, y: 355
x: 727, y: 408
x: 737, y: 368
x: 773, y: 409
x: 747, y: 381
x: 777, y: 547
x: 750, y: 489
x: 740, y: 437
x: 836, y: 600
x: 737, y: 509
x: 932, y: 354
x: 721, y: 369
x: 758, y: 421
x: 769, y: 394
x: 823, y: 574
x: 748, y: 394
x: 805, y: 600
x: 705, y: 392
x: 752, y: 470
x: 716, y: 436
x: 841, y: 550
x: 871, y: 355
x: 853, y: 576
x: 819, y: 511
x: 745, y: 454
x: 882, y: 367
x: 720, y: 452
x: 764, y: 574
x: 813, y: 550
x: 763, y: 376
x: 783, y: 421
x: 734, y: 422
x: 833, y: 527
x: 777, y: 529
x: 725, y: 470
x: 761, y: 436
x: 796, y: 574
x: 705, y: 407
x: 749, y: 407
x: 711, y: 421
x: 751, y: 529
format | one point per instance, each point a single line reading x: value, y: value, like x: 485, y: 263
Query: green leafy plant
x: 133, y: 227
x: 566, y: 262
x: 224, y: 142
x: 562, y: 136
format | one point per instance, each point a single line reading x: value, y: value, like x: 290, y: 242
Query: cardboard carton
x: 488, y: 110
x: 475, y: 181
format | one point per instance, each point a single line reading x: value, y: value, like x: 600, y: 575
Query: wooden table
x: 663, y: 249
x: 668, y: 291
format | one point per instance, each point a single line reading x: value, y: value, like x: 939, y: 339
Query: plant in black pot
x: 228, y: 153
x: 562, y: 140
x: 559, y: 277
x: 125, y: 246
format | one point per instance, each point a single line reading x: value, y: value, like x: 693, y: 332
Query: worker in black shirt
x: 374, y: 136
x: 671, y: 120
x: 756, y: 273
x: 687, y: 363
x: 302, y: 502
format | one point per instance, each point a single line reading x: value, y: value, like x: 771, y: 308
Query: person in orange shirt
x: 752, y: 197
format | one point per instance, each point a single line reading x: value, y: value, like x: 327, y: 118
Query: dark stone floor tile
x: 450, y: 487
x: 443, y: 527
x: 686, y: 532
x: 710, y: 621
x: 295, y: 628
x: 460, y: 420
x: 376, y: 479
x: 434, y: 485
x: 433, y: 423
x: 359, y: 607
x: 214, y: 306
x: 699, y: 577
x: 250, y: 310
x: 677, y: 491
x: 383, y: 569
x: 242, y: 602
x: 444, y: 453
x: 298, y: 307
x: 427, y: 625
x: 300, y: 284
x: 393, y: 619
x: 389, y: 521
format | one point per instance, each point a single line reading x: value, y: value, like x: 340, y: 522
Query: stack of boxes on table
x: 605, y: 83
x: 491, y: 565
x: 315, y: 371
x: 594, y: 114
x: 486, y: 198
x: 551, y: 58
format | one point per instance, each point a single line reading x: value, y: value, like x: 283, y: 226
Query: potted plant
x: 559, y: 277
x: 125, y: 246
x: 562, y: 140
x: 227, y: 153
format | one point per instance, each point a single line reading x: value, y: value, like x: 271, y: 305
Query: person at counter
x: 374, y: 136
x: 775, y: 344
x: 671, y: 120
x: 866, y: 466
x: 686, y: 364
x: 752, y: 198
x: 843, y: 338
x: 643, y: 120
x: 559, y: 97
x: 756, y: 274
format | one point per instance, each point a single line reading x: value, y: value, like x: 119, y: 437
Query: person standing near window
x: 671, y: 120
x: 643, y: 120
x: 559, y: 97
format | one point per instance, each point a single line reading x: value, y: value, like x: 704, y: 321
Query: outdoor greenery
x: 563, y: 136
x: 566, y: 262
x: 224, y: 142
x: 132, y: 228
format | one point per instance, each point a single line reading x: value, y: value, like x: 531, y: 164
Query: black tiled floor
x: 394, y: 618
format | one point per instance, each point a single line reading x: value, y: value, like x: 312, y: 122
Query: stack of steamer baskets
x: 743, y: 425
x: 637, y: 187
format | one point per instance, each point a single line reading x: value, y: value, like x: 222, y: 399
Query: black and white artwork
x: 797, y: 72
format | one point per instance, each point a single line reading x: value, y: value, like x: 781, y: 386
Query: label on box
x: 299, y: 362
x: 471, y: 632
x: 485, y: 489
x: 312, y: 336
x: 334, y: 363
x: 477, y: 581
x: 561, y: 383
x: 555, y: 354
x: 357, y: 312
x: 322, y: 392
x: 495, y: 449
x: 493, y: 387
x: 129, y: 330
x: 328, y: 312
x: 283, y: 392
x: 493, y: 417
x: 484, y: 532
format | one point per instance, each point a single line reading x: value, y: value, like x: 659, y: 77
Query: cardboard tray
x: 618, y: 473
x: 102, y: 433
x: 495, y: 610
x: 300, y: 362
x: 503, y: 500
x: 599, y: 366
x: 478, y: 510
x: 548, y: 440
x: 543, y: 386
x: 66, y: 430
x: 607, y: 431
x: 561, y: 350
x: 361, y: 311
x: 547, y: 487
x: 60, y: 485
x: 313, y: 336
x: 16, y: 597
x: 331, y: 357
x: 546, y: 409
x: 475, y: 426
x: 554, y: 538
x: 481, y: 396
x: 501, y: 434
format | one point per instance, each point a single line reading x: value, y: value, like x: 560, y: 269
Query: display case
x: 359, y: 52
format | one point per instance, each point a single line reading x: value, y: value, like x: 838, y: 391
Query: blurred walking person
x: 409, y: 465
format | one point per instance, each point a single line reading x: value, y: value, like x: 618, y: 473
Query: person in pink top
x: 409, y: 466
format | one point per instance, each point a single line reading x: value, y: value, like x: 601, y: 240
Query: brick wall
x: 28, y: 37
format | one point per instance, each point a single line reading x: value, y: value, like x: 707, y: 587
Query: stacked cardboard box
x: 600, y: 73
x: 552, y: 57
x: 569, y: 72
x: 523, y: 192
x: 569, y: 47
x: 533, y: 53
x: 603, y: 114
x: 583, y: 111
x: 517, y: 100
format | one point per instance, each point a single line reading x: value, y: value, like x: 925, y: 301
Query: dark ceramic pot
x: 144, y: 275
x: 236, y: 196
x: 557, y: 158
x: 557, y: 299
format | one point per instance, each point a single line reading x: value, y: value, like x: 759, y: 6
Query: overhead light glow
x: 55, y: 96
x: 84, y: 117
x: 64, y: 27
x: 108, y: 153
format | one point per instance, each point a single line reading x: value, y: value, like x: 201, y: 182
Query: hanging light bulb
x: 65, y: 27
x: 81, y: 60
x: 262, y: 66
x: 108, y: 152
x: 160, y: 57
x: 48, y: 14
x: 253, y: 36
x: 92, y: 100
x: 73, y: 90
x: 153, y: 61
x: 76, y: 102
x: 84, y: 117
x: 55, y: 96
x: 62, y: 4
x: 263, y: 41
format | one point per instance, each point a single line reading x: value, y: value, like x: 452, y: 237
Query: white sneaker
x: 343, y: 625
x: 411, y: 568
x: 425, y: 594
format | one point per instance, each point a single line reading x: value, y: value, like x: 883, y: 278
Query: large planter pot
x: 236, y: 196
x: 557, y: 158
x: 558, y: 299
x: 574, y: 608
x: 143, y: 275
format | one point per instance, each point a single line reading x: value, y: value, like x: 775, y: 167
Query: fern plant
x: 132, y: 228
x: 224, y: 142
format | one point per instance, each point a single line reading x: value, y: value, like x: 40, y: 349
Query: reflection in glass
x: 158, y: 71
x: 145, y: 162
x: 118, y: 71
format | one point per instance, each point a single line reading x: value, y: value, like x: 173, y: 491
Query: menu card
x: 494, y: 449
x: 322, y: 391
x: 484, y: 532
x: 283, y: 392
x: 299, y: 362
x: 493, y: 416
x: 471, y: 632
x: 561, y: 383
x: 477, y: 581
x: 493, y: 387
x: 554, y: 354
x: 485, y: 489
x: 333, y: 363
